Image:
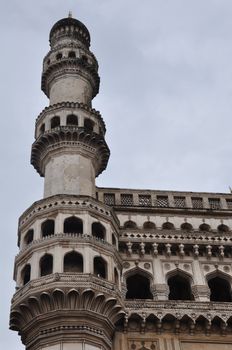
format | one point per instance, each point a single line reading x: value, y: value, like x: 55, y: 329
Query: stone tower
x: 111, y: 268
x: 67, y: 270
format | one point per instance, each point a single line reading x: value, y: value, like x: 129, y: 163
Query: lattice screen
x: 179, y: 202
x: 109, y: 198
x: 126, y: 199
x: 229, y: 203
x: 214, y: 203
x: 145, y: 200
x: 197, y: 203
x: 162, y: 201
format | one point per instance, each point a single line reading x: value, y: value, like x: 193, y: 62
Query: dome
x: 71, y: 22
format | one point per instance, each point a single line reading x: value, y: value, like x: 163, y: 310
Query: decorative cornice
x: 165, y: 236
x: 70, y: 136
x: 65, y: 281
x: 175, y: 312
x: 67, y: 202
x: 70, y: 66
x: 63, y: 303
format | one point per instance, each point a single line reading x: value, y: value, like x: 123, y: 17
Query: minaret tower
x: 67, y: 272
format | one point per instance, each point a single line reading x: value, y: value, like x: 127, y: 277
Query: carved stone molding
x: 64, y: 137
x: 73, y: 310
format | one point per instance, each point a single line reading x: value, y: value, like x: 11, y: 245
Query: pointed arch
x: 138, y: 284
x: 88, y: 124
x: 73, y: 224
x: 26, y: 274
x: 223, y: 228
x: 168, y: 226
x: 204, y: 227
x: 220, y: 286
x: 130, y: 225
x: 149, y: 225
x: 100, y: 267
x: 98, y: 230
x: 29, y: 236
x: 72, y: 119
x: 47, y: 228
x: 179, y: 284
x: 72, y: 54
x: 73, y: 262
x: 46, y: 265
x: 186, y: 226
x: 55, y: 122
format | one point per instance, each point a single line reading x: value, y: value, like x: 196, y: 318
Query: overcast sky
x: 165, y: 95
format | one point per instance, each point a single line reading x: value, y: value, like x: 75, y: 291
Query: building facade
x: 107, y: 268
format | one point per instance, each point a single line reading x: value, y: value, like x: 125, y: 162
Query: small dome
x: 71, y: 22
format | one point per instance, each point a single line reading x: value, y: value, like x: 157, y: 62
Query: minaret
x: 70, y: 149
x: 67, y: 272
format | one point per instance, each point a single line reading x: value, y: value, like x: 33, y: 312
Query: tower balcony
x: 67, y: 306
x: 70, y: 140
x: 69, y: 114
x: 66, y: 253
x: 70, y: 79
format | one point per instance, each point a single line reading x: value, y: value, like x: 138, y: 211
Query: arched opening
x: 46, y: 265
x: 55, y: 121
x: 179, y: 288
x: 138, y: 287
x: 73, y: 262
x: 220, y: 289
x: 98, y: 230
x: 73, y: 225
x: 204, y: 227
x: 149, y: 225
x: 42, y: 129
x: 100, y: 267
x: 130, y: 224
x: 72, y: 54
x: 223, y: 228
x: 84, y: 58
x: 114, y: 242
x: 29, y: 236
x: 26, y: 274
x: 72, y: 120
x: 48, y: 228
x: 88, y: 125
x: 168, y: 226
x: 186, y: 227
x: 59, y: 56
x: 116, y: 278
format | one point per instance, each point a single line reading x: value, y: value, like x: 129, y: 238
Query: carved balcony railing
x: 67, y: 280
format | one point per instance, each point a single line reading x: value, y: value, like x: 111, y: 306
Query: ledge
x: 71, y: 105
x: 66, y: 281
x: 179, y: 309
x: 65, y: 136
x: 71, y: 237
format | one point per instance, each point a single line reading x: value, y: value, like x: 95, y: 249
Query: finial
x: 70, y: 14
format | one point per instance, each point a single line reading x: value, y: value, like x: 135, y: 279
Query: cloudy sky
x: 166, y: 98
